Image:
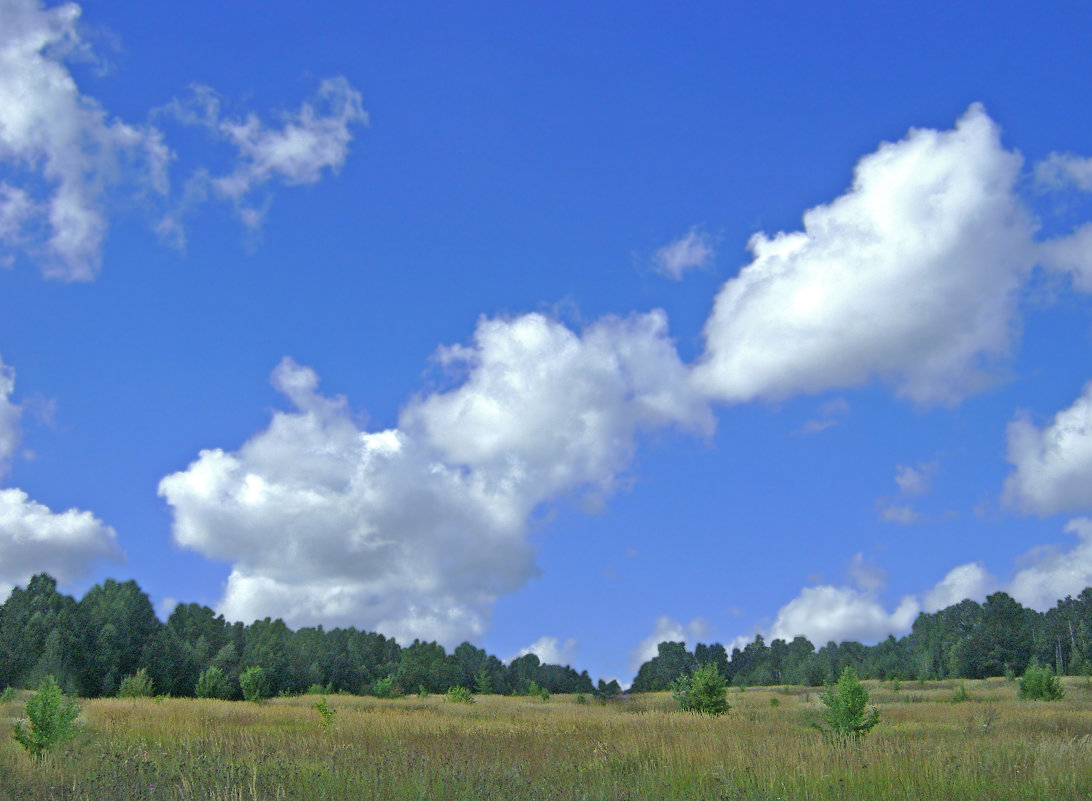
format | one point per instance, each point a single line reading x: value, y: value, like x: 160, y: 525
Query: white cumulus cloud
x: 550, y: 651
x: 417, y: 530
x: 1049, y: 574
x: 692, y: 251
x: 971, y: 580
x: 34, y: 539
x: 1053, y: 465
x: 62, y: 142
x: 911, y: 276
x: 829, y: 613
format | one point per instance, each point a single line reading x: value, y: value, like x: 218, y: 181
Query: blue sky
x: 569, y: 327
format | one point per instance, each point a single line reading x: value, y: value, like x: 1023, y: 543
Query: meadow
x: 992, y: 746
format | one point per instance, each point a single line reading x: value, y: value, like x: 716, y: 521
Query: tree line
x: 968, y: 640
x: 90, y: 646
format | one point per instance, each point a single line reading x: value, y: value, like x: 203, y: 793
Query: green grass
x: 994, y: 746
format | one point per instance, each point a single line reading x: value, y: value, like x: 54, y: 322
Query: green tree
x: 704, y: 691
x: 38, y: 635
x: 1040, y: 684
x: 51, y: 717
x: 254, y: 682
x: 212, y: 683
x: 845, y: 715
x: 115, y: 621
x: 136, y: 685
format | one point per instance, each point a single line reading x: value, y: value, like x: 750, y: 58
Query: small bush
x: 136, y: 685
x: 704, y: 691
x: 422, y: 693
x: 960, y: 695
x: 51, y: 716
x: 7, y: 695
x: 845, y: 703
x: 460, y: 695
x: 1040, y: 684
x: 775, y: 702
x: 212, y: 683
x: 254, y: 682
x: 581, y: 699
x: 386, y: 688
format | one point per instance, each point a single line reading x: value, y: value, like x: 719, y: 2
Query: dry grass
x: 926, y: 747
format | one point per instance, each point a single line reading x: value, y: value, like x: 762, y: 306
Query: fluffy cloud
x: 667, y: 630
x: 64, y: 154
x: 549, y: 651
x: 1049, y: 574
x: 971, y: 580
x: 66, y: 144
x: 553, y: 410
x: 828, y: 613
x: 910, y: 276
x: 1053, y: 466
x: 416, y: 531
x: 689, y: 252
x: 33, y: 539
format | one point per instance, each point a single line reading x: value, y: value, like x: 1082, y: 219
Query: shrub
x: 386, y: 688
x: 845, y: 703
x: 51, y: 717
x: 460, y: 695
x: 960, y: 695
x: 7, y: 695
x: 1040, y: 684
x: 581, y: 699
x: 136, y: 685
x: 254, y: 682
x: 704, y: 691
x: 326, y: 711
x: 212, y: 683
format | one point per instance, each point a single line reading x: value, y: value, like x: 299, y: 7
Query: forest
x: 92, y: 644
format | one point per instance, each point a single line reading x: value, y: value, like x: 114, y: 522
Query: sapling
x: 704, y: 691
x: 845, y: 713
x: 1040, y: 684
x: 460, y: 695
x: 326, y: 711
x: 51, y: 716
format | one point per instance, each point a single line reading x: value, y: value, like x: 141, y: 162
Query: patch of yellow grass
x: 991, y: 747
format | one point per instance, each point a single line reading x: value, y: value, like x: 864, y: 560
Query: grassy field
x: 993, y: 746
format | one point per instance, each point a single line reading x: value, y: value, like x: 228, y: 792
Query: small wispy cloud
x: 830, y: 414
x: 693, y: 251
x: 1061, y: 170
